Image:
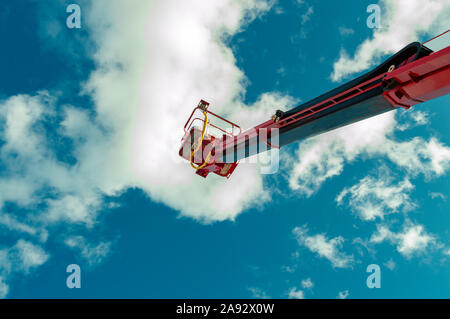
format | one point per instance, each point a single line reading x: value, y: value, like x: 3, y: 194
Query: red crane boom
x: 414, y: 75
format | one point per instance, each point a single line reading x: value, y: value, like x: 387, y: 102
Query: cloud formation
x: 374, y: 197
x: 179, y: 56
x: 307, y: 283
x: 343, y: 294
x: 412, y: 240
x: 294, y: 293
x: 323, y: 157
x: 324, y: 247
x: 93, y: 253
x: 153, y: 63
x: 402, y: 22
x: 141, y: 100
x: 21, y: 258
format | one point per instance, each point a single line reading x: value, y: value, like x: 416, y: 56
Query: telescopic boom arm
x: 413, y: 75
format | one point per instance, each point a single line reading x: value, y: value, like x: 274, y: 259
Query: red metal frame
x: 435, y: 80
x: 413, y: 83
x: 202, y: 120
x: 221, y: 169
x: 310, y: 110
x: 421, y: 80
x: 434, y: 69
x: 186, y: 128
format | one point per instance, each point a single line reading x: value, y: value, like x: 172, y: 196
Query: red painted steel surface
x: 420, y: 81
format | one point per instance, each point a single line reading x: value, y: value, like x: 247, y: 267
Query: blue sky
x: 90, y: 119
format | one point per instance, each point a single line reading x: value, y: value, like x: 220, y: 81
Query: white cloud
x: 413, y: 239
x: 376, y: 197
x: 419, y: 117
x: 294, y: 293
x: 182, y: 61
x: 319, y: 159
x: 31, y: 163
x: 94, y: 254
x: 438, y: 154
x: 390, y: 264
x: 343, y: 294
x: 289, y: 269
x: 402, y: 22
x: 322, y: 157
x: 410, y: 241
x: 142, y: 98
x: 279, y: 10
x: 30, y: 255
x: 307, y: 15
x: 258, y: 293
x: 324, y: 247
x: 435, y: 195
x: 307, y: 283
x: 346, y: 31
x: 362, y: 243
x: 414, y: 118
x: 4, y: 288
x: 74, y: 209
x: 12, y: 223
x: 21, y: 258
x: 20, y: 114
x: 154, y: 62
